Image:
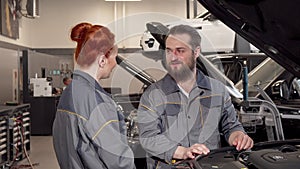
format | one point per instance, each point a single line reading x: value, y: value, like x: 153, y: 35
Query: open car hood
x: 273, y: 26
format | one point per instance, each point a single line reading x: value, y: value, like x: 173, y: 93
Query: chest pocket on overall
x: 170, y: 114
x: 211, y: 104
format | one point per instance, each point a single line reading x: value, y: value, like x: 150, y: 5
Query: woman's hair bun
x: 78, y: 32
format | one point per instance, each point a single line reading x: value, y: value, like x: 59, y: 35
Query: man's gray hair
x: 186, y: 29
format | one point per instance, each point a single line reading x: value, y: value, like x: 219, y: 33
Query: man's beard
x: 184, y: 73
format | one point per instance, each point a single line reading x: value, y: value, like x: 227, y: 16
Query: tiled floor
x: 41, y: 154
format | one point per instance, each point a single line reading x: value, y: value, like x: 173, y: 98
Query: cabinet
x: 4, y: 144
x: 14, y: 133
x: 42, y: 114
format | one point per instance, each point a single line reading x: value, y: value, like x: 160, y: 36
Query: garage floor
x: 41, y: 155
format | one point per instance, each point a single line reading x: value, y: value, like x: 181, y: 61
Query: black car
x: 272, y: 26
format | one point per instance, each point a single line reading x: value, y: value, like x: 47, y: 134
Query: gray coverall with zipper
x: 88, y: 131
x: 167, y: 118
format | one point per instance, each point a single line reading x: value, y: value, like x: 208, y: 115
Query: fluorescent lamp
x: 122, y: 0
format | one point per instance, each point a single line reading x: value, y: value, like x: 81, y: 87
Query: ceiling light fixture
x: 122, y: 0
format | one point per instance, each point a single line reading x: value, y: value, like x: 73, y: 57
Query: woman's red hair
x: 92, y: 40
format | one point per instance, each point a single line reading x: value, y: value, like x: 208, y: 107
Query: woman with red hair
x: 88, y: 131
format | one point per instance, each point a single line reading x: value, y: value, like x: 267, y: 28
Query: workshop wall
x: 9, y: 73
x: 126, y: 19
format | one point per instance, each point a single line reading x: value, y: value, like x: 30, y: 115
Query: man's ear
x: 197, y: 52
x: 102, y: 61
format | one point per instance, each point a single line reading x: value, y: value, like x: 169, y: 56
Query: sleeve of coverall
x: 152, y: 134
x: 229, y: 120
x: 106, y: 130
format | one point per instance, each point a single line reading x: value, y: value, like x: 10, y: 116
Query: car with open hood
x: 273, y: 28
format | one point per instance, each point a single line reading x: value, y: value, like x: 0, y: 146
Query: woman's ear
x: 102, y: 61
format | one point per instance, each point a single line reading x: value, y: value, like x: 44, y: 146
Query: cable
x: 17, y: 152
x: 15, y: 146
x: 24, y: 147
x: 19, y: 124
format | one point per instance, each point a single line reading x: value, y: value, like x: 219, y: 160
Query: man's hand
x: 190, y: 152
x: 240, y: 140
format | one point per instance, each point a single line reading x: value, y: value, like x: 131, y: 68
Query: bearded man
x: 184, y: 113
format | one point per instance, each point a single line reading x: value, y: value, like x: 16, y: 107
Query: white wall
x: 51, y: 63
x: 24, y: 30
x: 9, y: 63
x: 126, y: 19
